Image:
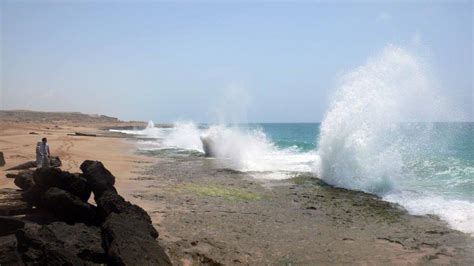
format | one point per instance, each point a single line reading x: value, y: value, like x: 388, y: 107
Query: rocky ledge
x: 50, y: 221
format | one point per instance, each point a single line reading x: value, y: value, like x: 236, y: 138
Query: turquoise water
x: 303, y: 136
x: 443, y: 162
x: 363, y: 142
x: 426, y: 167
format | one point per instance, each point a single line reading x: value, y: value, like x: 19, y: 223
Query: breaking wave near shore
x: 371, y: 139
x: 244, y: 148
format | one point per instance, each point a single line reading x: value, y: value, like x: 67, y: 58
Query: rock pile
x: 54, y: 161
x: 62, y: 227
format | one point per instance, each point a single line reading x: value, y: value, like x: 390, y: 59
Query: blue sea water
x: 303, y: 136
x: 442, y: 163
x: 432, y: 171
x: 366, y: 141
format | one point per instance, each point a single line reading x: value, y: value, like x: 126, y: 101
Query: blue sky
x: 260, y: 62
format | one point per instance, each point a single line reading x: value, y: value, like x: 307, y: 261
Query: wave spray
x: 361, y: 144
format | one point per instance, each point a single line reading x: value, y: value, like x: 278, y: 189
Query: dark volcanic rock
x: 67, y: 207
x: 12, y: 203
x: 10, y: 175
x: 23, y: 166
x: 2, y: 159
x: 24, y: 180
x: 8, y: 253
x: 9, y: 225
x: 111, y: 202
x: 46, y: 178
x: 54, y: 161
x: 84, y: 134
x: 85, y: 240
x: 33, y: 195
x: 60, y: 244
x: 98, y: 177
x: 37, y: 244
x: 127, y: 243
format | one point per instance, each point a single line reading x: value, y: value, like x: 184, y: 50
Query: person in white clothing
x: 42, y: 154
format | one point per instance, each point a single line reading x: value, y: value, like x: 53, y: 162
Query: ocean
x: 431, y: 171
x: 370, y: 139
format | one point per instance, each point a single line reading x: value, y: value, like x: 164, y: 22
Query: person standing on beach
x: 42, y: 154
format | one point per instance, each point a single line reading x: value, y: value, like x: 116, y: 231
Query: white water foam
x: 457, y: 213
x: 247, y: 150
x: 150, y: 131
x: 361, y: 145
x: 185, y: 136
x: 251, y: 150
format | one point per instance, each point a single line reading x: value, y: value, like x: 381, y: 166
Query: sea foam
x: 370, y: 139
x: 360, y: 144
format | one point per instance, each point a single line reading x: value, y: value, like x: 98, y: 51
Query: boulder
x: 38, y: 245
x: 9, y: 225
x: 33, y: 195
x: 208, y: 146
x: 46, y: 178
x: 127, y: 243
x: 110, y: 202
x: 60, y: 244
x: 10, y: 175
x: 24, y: 180
x: 8, y: 251
x: 98, y: 177
x: 67, y: 207
x: 54, y: 161
x: 86, y: 241
x: 2, y: 159
x: 12, y: 203
x: 23, y: 166
x: 84, y: 134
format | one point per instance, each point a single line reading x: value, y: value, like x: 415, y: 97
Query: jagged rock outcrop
x: 98, y: 177
x: 47, y: 178
x: 8, y: 251
x: 110, y: 202
x: 127, y: 242
x: 72, y: 231
x: 60, y: 244
x: 24, y: 180
x: 67, y: 207
x: 9, y: 225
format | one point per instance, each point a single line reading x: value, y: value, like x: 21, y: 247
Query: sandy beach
x: 207, y: 214
x: 19, y: 137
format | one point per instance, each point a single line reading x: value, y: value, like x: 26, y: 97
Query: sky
x: 208, y: 61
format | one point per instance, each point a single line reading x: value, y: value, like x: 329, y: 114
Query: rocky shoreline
x: 213, y: 215
x: 51, y: 221
x: 206, y: 214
